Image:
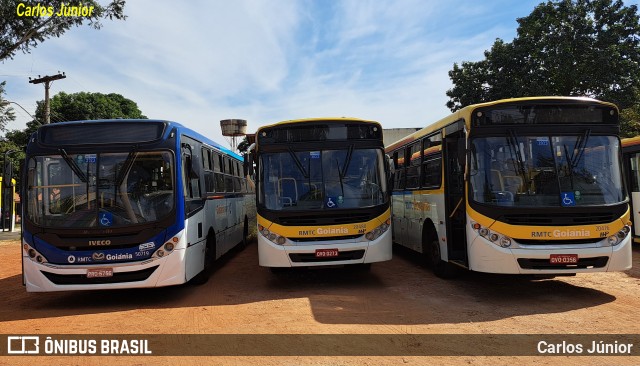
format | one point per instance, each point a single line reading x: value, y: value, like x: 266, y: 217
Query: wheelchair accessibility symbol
x: 106, y: 218
x: 568, y: 199
x: 330, y: 203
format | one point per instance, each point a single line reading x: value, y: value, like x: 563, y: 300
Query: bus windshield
x: 541, y: 170
x: 322, y: 179
x: 100, y: 190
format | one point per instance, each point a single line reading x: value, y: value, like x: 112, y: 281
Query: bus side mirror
x: 188, y: 151
x: 390, y: 166
x: 390, y: 170
x: 247, y: 165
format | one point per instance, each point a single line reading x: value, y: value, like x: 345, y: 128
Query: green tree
x: 6, y: 111
x: 88, y: 106
x: 7, y: 115
x: 567, y: 47
x: 21, y: 33
x: 630, y: 119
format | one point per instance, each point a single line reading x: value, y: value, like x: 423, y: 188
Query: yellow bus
x: 523, y: 186
x: 322, y: 195
x: 631, y: 166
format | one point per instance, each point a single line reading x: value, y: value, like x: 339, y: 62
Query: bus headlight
x: 616, y: 239
x: 34, y: 254
x: 167, y: 248
x: 272, y: 236
x: 492, y: 236
x: 378, y: 231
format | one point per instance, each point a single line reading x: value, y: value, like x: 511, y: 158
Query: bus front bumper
x: 485, y: 256
x: 304, y: 254
x: 166, y: 271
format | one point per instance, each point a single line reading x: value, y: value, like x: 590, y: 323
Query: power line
x: 27, y: 112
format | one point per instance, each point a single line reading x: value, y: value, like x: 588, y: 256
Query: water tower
x: 232, y: 129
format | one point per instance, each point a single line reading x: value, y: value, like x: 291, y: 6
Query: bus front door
x: 454, y: 155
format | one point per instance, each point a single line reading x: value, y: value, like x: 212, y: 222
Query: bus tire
x: 209, y: 259
x: 433, y: 256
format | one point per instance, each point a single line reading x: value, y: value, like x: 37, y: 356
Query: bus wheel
x: 209, y: 258
x: 440, y: 268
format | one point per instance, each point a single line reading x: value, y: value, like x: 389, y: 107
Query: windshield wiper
x: 577, y: 153
x: 128, y: 163
x: 340, y: 176
x: 580, y: 146
x: 298, y: 163
x: 347, y: 161
x: 512, y: 139
x: 74, y: 166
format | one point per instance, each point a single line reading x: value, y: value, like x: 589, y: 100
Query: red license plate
x: 563, y: 259
x: 100, y: 272
x: 323, y: 253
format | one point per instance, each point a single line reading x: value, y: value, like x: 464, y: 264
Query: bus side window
x: 413, y: 166
x: 396, y: 170
x: 432, y: 172
x: 209, y: 183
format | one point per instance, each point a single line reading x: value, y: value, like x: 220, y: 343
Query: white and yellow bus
x: 522, y: 186
x: 631, y: 157
x: 322, y: 195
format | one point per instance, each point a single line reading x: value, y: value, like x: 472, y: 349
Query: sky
x: 199, y: 62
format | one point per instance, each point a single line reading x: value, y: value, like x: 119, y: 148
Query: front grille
x: 333, y: 238
x: 97, y: 247
x: 311, y: 257
x: 557, y: 242
x: 595, y: 262
x: 81, y: 279
x: 558, y: 219
x: 333, y: 219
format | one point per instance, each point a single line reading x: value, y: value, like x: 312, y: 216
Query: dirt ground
x: 399, y: 297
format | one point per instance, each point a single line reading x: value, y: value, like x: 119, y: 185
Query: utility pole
x: 47, y: 83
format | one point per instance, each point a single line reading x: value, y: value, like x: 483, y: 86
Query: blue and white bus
x: 116, y: 204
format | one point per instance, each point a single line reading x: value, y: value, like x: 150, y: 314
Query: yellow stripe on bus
x: 599, y: 231
x: 305, y: 231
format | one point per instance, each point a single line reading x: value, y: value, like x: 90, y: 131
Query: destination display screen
x: 544, y: 114
x: 321, y: 131
x: 110, y: 132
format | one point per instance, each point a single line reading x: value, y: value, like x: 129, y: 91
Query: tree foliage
x: 566, y: 47
x: 21, y: 33
x: 89, y: 106
x: 630, y: 119
x: 6, y: 111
